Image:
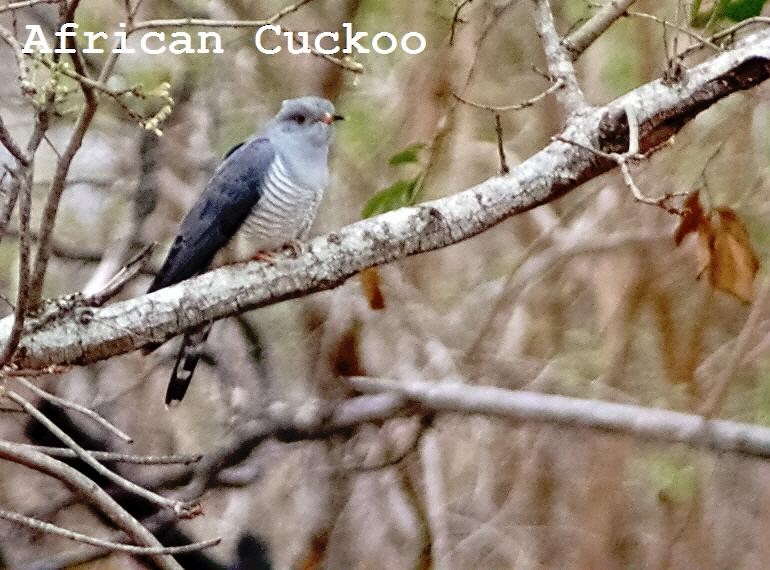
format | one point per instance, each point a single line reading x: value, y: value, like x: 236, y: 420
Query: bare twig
x: 26, y: 86
x: 765, y: 20
x: 48, y: 220
x: 739, y: 26
x: 560, y: 66
x: 89, y: 83
x: 25, y: 4
x: 42, y: 526
x: 76, y: 407
x: 132, y: 267
x: 456, y: 20
x: 22, y: 296
x: 7, y: 141
x: 206, y: 23
x: 683, y: 29
x: 558, y: 84
x: 622, y: 160
x: 184, y: 459
x: 579, y: 40
x: 180, y: 508
x: 500, y: 148
x: 89, y: 490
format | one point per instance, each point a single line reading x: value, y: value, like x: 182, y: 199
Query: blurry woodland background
x: 587, y: 296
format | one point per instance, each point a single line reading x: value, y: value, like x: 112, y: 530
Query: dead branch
x: 640, y: 422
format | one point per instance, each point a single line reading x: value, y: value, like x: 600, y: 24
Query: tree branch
x: 42, y: 526
x: 560, y: 66
x: 177, y: 507
x: 92, y: 492
x: 579, y: 40
x: 328, y: 261
x: 647, y: 423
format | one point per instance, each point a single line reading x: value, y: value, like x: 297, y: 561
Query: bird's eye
x: 299, y: 119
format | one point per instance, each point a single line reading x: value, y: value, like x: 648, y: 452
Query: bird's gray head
x: 308, y: 119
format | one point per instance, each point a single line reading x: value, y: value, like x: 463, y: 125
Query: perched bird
x: 264, y: 195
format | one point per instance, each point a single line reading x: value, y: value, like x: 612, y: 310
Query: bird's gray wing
x: 232, y: 192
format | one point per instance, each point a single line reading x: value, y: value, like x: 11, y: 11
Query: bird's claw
x: 266, y: 256
x: 294, y: 248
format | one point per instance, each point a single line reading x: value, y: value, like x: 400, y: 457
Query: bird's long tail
x: 189, y: 354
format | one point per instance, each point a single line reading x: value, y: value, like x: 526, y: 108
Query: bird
x: 262, y: 197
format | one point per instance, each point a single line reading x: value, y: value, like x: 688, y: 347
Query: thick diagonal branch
x: 84, y: 335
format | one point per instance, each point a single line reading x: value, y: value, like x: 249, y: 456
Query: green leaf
x: 739, y: 10
x: 407, y: 156
x: 400, y: 194
x: 734, y: 10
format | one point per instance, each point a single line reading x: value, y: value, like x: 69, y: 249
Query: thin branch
x: 25, y: 4
x: 22, y: 296
x: 683, y: 29
x: 726, y: 33
x: 456, y: 20
x: 579, y: 40
x: 504, y: 169
x: 739, y: 26
x: 89, y: 413
x: 46, y: 527
x: 206, y: 23
x: 27, y: 87
x: 48, y: 219
x: 638, y: 421
x: 289, y: 428
x: 91, y: 492
x: 180, y: 508
x: 558, y: 84
x: 560, y: 66
x: 7, y: 141
x: 130, y: 270
x: 181, y: 459
x: 95, y: 85
x: 622, y: 160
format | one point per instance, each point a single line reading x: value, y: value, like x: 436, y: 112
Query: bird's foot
x: 268, y: 257
x: 293, y: 248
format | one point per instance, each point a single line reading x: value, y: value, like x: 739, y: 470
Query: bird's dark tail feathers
x: 189, y: 354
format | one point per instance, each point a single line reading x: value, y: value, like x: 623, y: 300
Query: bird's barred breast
x: 285, y: 212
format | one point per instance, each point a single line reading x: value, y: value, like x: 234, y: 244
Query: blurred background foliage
x: 587, y: 296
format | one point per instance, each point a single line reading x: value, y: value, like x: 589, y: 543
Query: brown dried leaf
x: 371, y: 284
x: 693, y: 217
x: 733, y: 263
